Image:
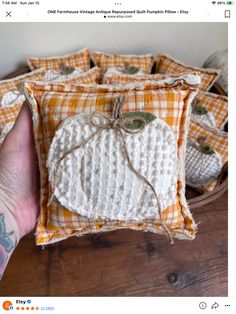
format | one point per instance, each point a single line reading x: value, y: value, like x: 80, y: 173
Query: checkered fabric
x: 16, y: 82
x: 217, y: 140
x: 80, y: 59
x: 8, y: 115
x: 106, y: 61
x: 117, y: 77
x: 168, y: 65
x: 215, y: 104
x: 53, y: 103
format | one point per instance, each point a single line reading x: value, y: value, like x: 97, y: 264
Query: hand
x: 19, y: 174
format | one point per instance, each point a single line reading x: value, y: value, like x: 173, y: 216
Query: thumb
x: 21, y: 134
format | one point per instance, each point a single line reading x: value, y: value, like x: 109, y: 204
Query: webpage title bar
x: 117, y: 11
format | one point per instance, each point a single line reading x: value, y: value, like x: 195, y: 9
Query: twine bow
x: 121, y: 125
x: 118, y: 122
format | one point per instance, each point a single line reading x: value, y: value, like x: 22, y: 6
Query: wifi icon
x: 213, y: 2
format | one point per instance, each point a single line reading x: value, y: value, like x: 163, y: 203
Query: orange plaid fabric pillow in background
x: 211, y: 161
x: 114, y: 76
x: 15, y: 85
x: 13, y: 102
x: 53, y: 103
x: 8, y: 117
x: 168, y: 65
x: 12, y: 98
x: 216, y: 107
x: 105, y: 61
x: 80, y: 59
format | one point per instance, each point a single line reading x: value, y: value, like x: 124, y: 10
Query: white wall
x: 189, y: 42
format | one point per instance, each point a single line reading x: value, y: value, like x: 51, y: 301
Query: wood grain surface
x: 126, y: 263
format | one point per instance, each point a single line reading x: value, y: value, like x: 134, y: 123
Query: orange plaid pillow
x: 53, y: 103
x: 11, y: 90
x: 207, y: 153
x: 105, y: 61
x: 114, y: 76
x: 12, y: 98
x: 80, y: 59
x: 210, y: 110
x: 168, y: 65
x: 8, y: 117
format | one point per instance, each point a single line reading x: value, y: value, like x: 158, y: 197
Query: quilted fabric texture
x: 8, y: 116
x: 58, y: 76
x: 12, y: 98
x: 207, y: 167
x: 6, y: 129
x: 168, y: 65
x: 114, y: 76
x: 204, y: 118
x: 108, y: 188
x: 11, y: 91
x: 201, y: 168
x: 51, y: 104
x: 80, y: 59
x: 216, y: 107
x: 91, y: 76
x: 105, y: 61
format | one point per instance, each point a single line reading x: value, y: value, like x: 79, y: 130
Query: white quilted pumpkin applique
x: 202, y: 116
x: 64, y: 73
x: 91, y: 176
x: 203, y: 165
x: 12, y: 98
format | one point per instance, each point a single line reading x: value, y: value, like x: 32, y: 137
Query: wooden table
x: 126, y: 263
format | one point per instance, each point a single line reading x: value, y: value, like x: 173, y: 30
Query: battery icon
x: 230, y: 2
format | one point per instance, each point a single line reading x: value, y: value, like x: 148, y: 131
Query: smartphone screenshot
x: 117, y: 156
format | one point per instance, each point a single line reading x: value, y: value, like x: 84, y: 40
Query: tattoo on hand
x: 6, y: 245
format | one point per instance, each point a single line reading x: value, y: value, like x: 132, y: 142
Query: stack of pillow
x: 70, y: 69
x: 207, y: 147
x: 145, y: 167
